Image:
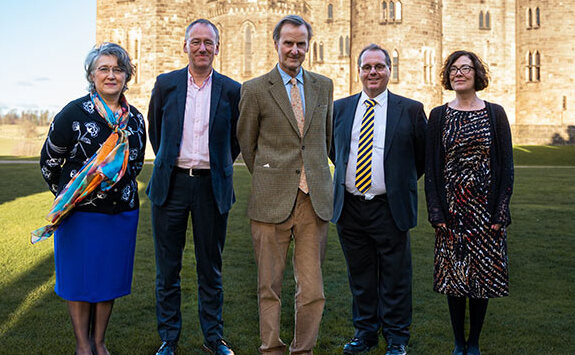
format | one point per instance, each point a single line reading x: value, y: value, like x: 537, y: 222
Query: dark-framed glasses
x: 464, y: 69
x: 378, y: 68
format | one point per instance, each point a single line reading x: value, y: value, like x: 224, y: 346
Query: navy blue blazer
x: 166, y: 122
x: 404, y: 154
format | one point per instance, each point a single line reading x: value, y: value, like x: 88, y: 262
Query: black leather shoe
x: 218, y: 347
x: 459, y: 350
x: 358, y: 346
x: 396, y: 349
x: 167, y: 348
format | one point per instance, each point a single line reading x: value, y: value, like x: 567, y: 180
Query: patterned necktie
x: 365, y: 148
x: 297, y: 107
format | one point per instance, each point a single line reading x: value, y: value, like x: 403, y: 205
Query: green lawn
x: 537, y: 318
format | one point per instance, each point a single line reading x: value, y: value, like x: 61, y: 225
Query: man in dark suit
x: 284, y: 131
x: 379, y: 141
x: 192, y: 127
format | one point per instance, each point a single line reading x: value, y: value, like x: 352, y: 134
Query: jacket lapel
x: 311, y: 91
x: 181, y: 93
x: 348, y: 117
x: 394, y: 109
x: 215, y: 97
x: 278, y: 92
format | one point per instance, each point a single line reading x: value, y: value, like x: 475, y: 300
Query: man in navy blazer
x: 376, y: 205
x: 192, y: 128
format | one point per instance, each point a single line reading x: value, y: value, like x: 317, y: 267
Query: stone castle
x: 528, y: 45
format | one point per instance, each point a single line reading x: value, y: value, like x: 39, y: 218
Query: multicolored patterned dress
x: 470, y: 258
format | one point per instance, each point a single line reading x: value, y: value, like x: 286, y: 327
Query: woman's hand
x: 496, y: 227
x: 440, y: 226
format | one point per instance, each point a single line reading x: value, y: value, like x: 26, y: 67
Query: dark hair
x: 480, y: 70
x: 293, y: 20
x: 112, y: 49
x: 205, y: 22
x: 374, y: 47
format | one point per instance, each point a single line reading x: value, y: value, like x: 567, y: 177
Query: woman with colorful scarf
x: 90, y: 160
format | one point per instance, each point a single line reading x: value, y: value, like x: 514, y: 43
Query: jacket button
x: 298, y: 171
x: 303, y: 147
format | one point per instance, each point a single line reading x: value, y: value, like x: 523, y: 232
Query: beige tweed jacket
x: 274, y: 150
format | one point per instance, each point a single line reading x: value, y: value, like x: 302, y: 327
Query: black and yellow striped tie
x: 365, y: 148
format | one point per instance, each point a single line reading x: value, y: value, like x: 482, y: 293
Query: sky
x: 43, y: 44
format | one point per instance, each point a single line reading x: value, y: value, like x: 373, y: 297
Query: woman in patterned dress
x: 468, y: 185
x: 90, y: 160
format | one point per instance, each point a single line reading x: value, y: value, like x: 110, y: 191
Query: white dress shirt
x: 377, y: 170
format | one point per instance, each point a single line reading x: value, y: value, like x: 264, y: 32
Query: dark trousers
x: 189, y: 196
x: 378, y: 257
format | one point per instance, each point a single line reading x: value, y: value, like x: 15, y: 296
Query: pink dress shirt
x: 194, y: 148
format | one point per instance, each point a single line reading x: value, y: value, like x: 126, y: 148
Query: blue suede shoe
x: 167, y: 348
x: 473, y: 350
x: 396, y: 349
x: 459, y: 350
x: 358, y: 346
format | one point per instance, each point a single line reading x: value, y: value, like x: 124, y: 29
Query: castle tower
x: 545, y: 75
x: 411, y: 31
x: 487, y: 28
x: 153, y: 34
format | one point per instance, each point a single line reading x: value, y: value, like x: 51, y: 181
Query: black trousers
x: 378, y: 257
x: 189, y: 196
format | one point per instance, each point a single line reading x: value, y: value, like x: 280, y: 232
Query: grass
x: 536, y: 318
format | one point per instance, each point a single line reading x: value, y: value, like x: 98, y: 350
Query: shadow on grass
x: 20, y: 180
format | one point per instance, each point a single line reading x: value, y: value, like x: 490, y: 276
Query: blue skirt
x: 94, y: 255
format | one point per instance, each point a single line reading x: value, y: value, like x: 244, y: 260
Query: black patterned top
x: 76, y: 133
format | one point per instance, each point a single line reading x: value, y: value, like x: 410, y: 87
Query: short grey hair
x: 292, y: 20
x: 374, y: 47
x: 112, y: 49
x: 205, y: 22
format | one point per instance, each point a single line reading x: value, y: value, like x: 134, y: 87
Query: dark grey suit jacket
x: 166, y: 122
x: 404, y: 154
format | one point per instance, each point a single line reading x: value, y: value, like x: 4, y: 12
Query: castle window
x: 384, y: 11
x: 321, y: 52
x: 395, y: 66
x: 347, y: 51
x: 248, y: 50
x: 484, y: 20
x: 537, y: 67
x: 537, y: 17
x: 315, y: 51
x: 529, y: 18
x: 487, y: 20
x: 330, y: 12
x: 340, y: 46
x: 398, y: 11
x: 427, y: 67
x: 481, y: 19
x: 528, y: 67
x: 391, y: 10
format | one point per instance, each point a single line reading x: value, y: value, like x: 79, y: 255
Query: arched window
x: 391, y: 11
x: 315, y: 51
x: 537, y: 17
x: 341, y: 46
x: 248, y: 34
x: 537, y: 67
x: 481, y: 19
x: 530, y: 67
x: 321, y: 51
x: 395, y: 66
x: 487, y: 20
x: 384, y: 11
x: 347, y: 51
x: 330, y: 12
x: 529, y: 18
x: 398, y: 11
x: 427, y: 67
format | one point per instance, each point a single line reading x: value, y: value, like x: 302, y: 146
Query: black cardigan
x: 501, y: 166
x: 75, y: 135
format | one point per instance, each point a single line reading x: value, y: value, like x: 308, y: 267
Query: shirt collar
x: 380, y: 99
x: 286, y: 78
x: 206, y: 82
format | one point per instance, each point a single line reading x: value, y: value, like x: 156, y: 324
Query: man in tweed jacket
x: 291, y: 197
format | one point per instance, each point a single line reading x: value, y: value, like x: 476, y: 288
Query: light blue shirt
x: 286, y: 79
x: 377, y: 171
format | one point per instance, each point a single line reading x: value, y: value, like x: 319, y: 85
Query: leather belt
x: 192, y: 172
x: 362, y: 197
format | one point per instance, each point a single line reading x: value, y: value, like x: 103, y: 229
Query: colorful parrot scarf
x: 103, y: 169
